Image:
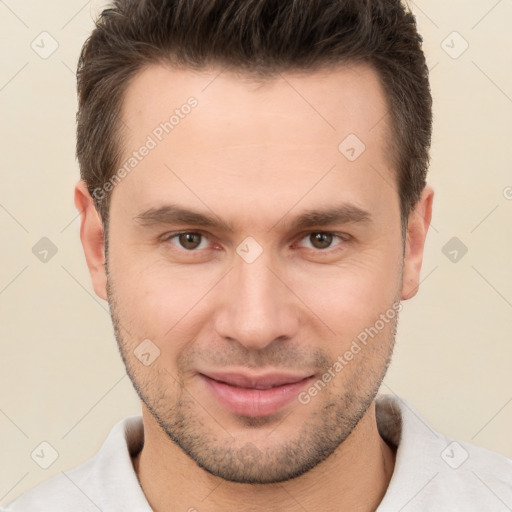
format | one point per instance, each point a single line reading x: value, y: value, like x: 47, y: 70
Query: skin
x: 257, y: 155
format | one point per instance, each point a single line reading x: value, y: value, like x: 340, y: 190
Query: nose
x: 256, y: 306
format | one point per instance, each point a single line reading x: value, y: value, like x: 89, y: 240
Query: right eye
x: 187, y: 240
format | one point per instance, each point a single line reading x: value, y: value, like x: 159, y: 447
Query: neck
x: 355, y: 477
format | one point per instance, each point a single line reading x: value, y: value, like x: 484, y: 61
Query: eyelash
x: 342, y: 236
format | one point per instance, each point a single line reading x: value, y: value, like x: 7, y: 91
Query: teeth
x: 260, y: 388
x: 263, y: 388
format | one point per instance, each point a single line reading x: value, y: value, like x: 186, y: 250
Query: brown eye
x: 189, y: 240
x: 324, y: 241
x: 321, y: 240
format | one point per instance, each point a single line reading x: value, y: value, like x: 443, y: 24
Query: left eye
x: 321, y: 240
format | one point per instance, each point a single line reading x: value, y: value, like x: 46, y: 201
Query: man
x: 254, y: 208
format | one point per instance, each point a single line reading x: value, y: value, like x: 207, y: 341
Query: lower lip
x: 255, y: 402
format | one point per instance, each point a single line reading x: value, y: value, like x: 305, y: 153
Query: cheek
x: 161, y: 301
x: 352, y: 294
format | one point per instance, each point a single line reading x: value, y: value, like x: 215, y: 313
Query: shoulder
x: 107, y: 481
x: 466, y: 478
x: 58, y: 493
x: 481, y: 476
x: 435, y: 472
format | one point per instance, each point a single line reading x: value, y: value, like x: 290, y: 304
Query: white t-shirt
x: 432, y: 472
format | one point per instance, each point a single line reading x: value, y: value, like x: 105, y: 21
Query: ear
x: 419, y: 222
x: 92, y: 237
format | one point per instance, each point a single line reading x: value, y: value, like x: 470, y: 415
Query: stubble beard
x: 221, y: 453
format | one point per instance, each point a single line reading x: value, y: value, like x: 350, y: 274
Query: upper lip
x: 266, y: 381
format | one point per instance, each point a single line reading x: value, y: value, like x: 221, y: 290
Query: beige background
x: 61, y: 378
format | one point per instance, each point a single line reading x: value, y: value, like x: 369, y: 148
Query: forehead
x: 326, y: 102
x: 263, y: 137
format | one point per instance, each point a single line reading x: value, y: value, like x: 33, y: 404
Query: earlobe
x: 92, y: 238
x: 419, y: 222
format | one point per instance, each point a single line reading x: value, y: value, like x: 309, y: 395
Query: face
x: 255, y: 267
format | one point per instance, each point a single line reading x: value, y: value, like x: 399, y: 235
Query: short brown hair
x: 261, y: 38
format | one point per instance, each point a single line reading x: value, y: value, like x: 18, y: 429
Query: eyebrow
x: 346, y: 213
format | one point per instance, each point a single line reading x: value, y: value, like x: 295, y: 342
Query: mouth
x: 250, y: 395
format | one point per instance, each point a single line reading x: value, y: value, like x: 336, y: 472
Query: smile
x: 254, y: 396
